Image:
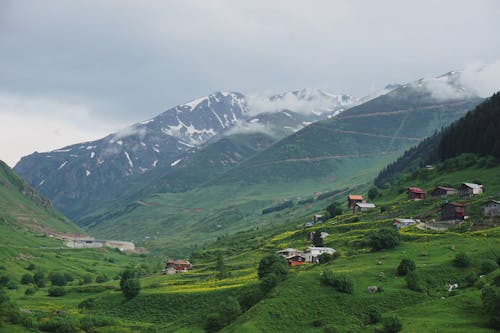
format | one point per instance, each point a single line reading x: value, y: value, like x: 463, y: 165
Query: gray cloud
x: 125, y: 60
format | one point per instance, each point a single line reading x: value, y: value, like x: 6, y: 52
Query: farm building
x: 308, y: 224
x: 452, y: 211
x: 288, y: 252
x: 296, y: 260
x: 470, y: 189
x: 442, y: 191
x: 312, y: 253
x: 177, y: 266
x: 401, y: 223
x: 491, y: 208
x: 362, y: 206
x: 353, y: 199
x: 415, y: 193
x: 318, y: 218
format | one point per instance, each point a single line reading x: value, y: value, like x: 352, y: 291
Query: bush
x: 491, y: 305
x: 333, y: 210
x: 87, y: 303
x: 27, y: 279
x: 488, y: 266
x: 273, y: 264
x: 325, y: 258
x: 373, y: 314
x: 30, y: 291
x: 373, y: 193
x: 385, y: 238
x: 87, y: 279
x: 101, y: 278
x: 340, y: 282
x: 39, y: 279
x: 471, y: 279
x: 59, y: 325
x: 31, y: 267
x: 268, y: 283
x: 214, y: 323
x: 413, y: 281
x: 88, y: 323
x: 56, y: 291
x: 229, y: 311
x: 131, y: 288
x: 406, y: 266
x: 57, y: 279
x: 249, y: 297
x: 461, y: 260
x: 127, y: 274
x: 317, y: 323
x: 392, y: 324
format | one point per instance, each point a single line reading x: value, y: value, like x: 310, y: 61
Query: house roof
x: 456, y: 204
x: 493, y: 201
x: 472, y: 185
x: 355, y: 197
x: 365, y: 205
x: 415, y: 190
x: 287, y: 250
x: 319, y: 248
x: 296, y: 255
x: 447, y: 188
x: 404, y: 221
x: 179, y: 262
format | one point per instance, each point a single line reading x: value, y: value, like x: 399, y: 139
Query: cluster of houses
x: 311, y: 254
x: 177, y: 266
x: 357, y: 204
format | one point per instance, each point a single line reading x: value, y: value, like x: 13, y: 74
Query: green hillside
x: 342, y: 152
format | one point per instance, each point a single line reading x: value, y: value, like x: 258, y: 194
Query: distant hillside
x: 478, y: 132
x: 23, y: 209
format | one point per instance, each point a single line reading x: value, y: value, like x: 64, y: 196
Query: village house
x: 296, y: 260
x: 442, y: 192
x: 452, y: 211
x: 362, y: 206
x: 322, y: 235
x: 308, y: 224
x: 353, y: 199
x: 415, y: 193
x: 312, y: 253
x: 401, y: 223
x: 177, y: 266
x: 470, y: 189
x: 491, y: 208
x: 288, y: 252
x: 318, y: 218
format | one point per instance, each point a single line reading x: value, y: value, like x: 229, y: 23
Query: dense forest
x: 478, y: 132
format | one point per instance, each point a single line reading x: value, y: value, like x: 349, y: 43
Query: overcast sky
x: 75, y: 70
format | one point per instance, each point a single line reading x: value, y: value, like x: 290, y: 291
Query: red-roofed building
x: 415, y: 193
x: 296, y: 260
x: 353, y: 199
x: 177, y: 266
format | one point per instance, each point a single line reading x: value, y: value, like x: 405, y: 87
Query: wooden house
x: 491, y: 208
x: 177, y: 266
x: 442, y: 192
x: 416, y: 193
x: 353, y: 199
x: 470, y: 189
x: 401, y: 223
x: 296, y: 260
x: 452, y: 211
x: 362, y: 206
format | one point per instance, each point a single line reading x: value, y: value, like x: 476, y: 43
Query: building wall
x: 490, y: 209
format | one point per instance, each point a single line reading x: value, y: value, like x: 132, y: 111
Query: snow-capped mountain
x: 87, y: 171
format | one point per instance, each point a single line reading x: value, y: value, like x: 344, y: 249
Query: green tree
x: 131, y: 288
x: 385, y: 238
x: 221, y: 268
x: 27, y: 279
x: 57, y: 279
x: 461, y: 260
x: 333, y: 210
x: 392, y: 324
x: 317, y: 240
x: 273, y: 264
x: 406, y: 266
x: 268, y: 282
x: 413, y: 281
x: 373, y: 193
x: 127, y: 274
x: 39, y: 279
x: 490, y: 296
x: 340, y: 282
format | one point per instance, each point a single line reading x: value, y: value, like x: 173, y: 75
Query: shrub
x: 273, y: 264
x: 461, y: 260
x: 340, y: 282
x: 317, y: 323
x: 131, y: 288
x: 373, y: 314
x: 496, y: 280
x: 56, y: 291
x: 30, y: 291
x: 385, y: 238
x: 27, y: 279
x: 230, y: 309
x: 31, y: 267
x: 325, y: 258
x: 214, y: 323
x: 88, y: 323
x: 11, y: 285
x: 4, y: 280
x: 101, y: 278
x: 87, y: 279
x: 57, y: 279
x: 488, y: 266
x: 249, y: 297
x: 480, y: 283
x: 491, y: 303
x: 413, y: 281
x: 373, y: 193
x: 127, y: 274
x: 471, y: 279
x: 59, y: 325
x: 87, y: 303
x: 269, y: 282
x: 333, y: 210
x: 406, y: 266
x: 392, y: 324
x: 39, y: 279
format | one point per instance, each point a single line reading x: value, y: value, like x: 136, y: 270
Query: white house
x: 401, y: 223
x: 470, y: 189
x: 289, y: 252
x: 312, y: 253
